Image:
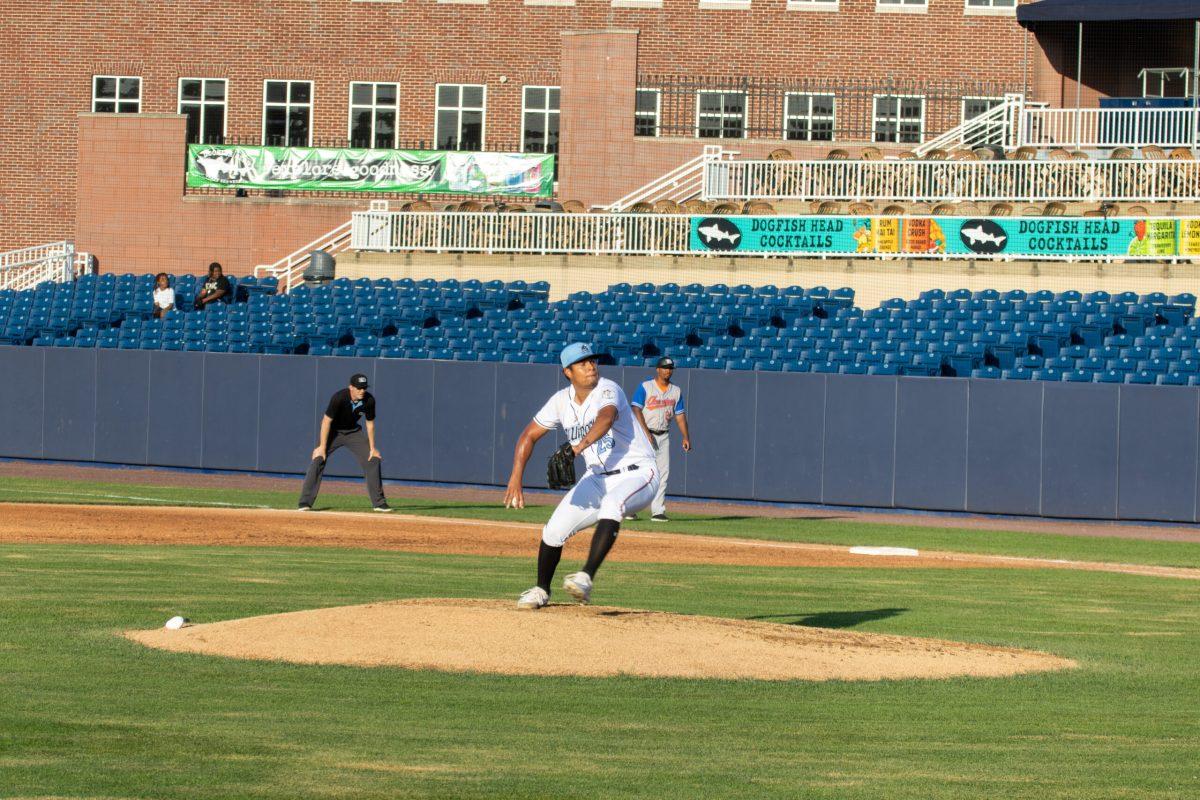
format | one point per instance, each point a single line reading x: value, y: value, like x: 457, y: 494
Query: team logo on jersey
x: 718, y: 233
x: 983, y: 236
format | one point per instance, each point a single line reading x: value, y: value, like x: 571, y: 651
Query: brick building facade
x: 597, y: 51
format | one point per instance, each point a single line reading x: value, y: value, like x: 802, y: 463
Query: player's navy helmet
x: 666, y: 363
x: 574, y: 353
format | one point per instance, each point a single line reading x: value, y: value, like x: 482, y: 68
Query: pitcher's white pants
x: 662, y: 458
x: 597, y: 496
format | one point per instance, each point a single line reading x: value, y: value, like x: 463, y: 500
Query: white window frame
x: 994, y: 101
x: 901, y: 6
x: 657, y: 113
x: 116, y: 99
x: 832, y: 118
x: 875, y: 118
x: 288, y: 104
x: 437, y: 107
x: 722, y: 115
x: 545, y: 112
x: 374, y: 107
x: 204, y: 104
x: 991, y: 9
x: 815, y: 5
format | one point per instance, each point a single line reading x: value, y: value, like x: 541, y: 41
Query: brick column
x: 599, y: 83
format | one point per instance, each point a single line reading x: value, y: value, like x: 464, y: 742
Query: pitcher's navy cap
x: 666, y: 362
x: 575, y: 352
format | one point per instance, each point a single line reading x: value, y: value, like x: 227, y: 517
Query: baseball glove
x: 560, y: 469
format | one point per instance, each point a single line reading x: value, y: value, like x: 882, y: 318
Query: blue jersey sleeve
x: 639, y: 396
x: 679, y: 407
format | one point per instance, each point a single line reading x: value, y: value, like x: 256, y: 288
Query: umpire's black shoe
x: 383, y: 508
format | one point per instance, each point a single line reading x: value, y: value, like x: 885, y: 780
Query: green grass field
x: 85, y: 713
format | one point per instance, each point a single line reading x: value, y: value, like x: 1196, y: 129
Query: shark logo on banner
x: 983, y: 236
x: 718, y: 233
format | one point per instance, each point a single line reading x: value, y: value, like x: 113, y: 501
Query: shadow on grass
x: 833, y: 619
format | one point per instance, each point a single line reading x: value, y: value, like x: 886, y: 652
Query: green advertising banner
x: 320, y: 168
x: 1015, y: 237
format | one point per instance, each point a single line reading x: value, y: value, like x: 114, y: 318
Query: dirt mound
x: 493, y: 636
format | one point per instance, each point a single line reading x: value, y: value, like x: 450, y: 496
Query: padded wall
x: 1011, y: 447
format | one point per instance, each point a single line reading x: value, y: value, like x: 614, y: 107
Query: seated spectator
x: 216, y: 287
x: 164, y: 295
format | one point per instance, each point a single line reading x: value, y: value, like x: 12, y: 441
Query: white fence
x: 484, y: 232
x: 1109, y: 127
x: 937, y: 181
x: 29, y: 266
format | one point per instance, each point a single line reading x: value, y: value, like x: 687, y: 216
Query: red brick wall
x: 132, y: 215
x: 419, y: 43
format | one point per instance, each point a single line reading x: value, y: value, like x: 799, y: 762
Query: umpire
x: 655, y: 403
x: 340, y: 428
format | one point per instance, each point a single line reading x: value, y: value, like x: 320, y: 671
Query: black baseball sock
x: 547, y: 562
x: 602, y: 542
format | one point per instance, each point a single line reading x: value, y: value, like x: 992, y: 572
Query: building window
x: 991, y: 6
x: 287, y: 113
x: 116, y: 94
x: 646, y: 110
x: 539, y: 119
x: 899, y: 119
x: 721, y: 115
x: 993, y: 132
x: 808, y: 117
x: 460, y: 116
x: 374, y: 109
x: 812, y: 5
x: 202, y: 101
x: 918, y: 6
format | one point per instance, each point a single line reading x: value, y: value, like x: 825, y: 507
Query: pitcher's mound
x: 493, y: 636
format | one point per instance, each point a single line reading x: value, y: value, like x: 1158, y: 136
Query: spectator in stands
x: 164, y: 295
x: 216, y: 287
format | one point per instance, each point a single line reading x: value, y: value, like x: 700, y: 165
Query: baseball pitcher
x: 655, y: 403
x: 620, y: 475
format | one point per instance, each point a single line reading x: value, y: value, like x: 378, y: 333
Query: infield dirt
x: 30, y: 522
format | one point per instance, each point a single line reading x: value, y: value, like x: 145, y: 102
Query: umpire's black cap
x: 358, y: 380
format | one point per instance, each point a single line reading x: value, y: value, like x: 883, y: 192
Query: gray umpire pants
x: 356, y: 442
x: 662, y: 458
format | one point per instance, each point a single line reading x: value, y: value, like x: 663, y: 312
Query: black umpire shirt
x: 345, y: 412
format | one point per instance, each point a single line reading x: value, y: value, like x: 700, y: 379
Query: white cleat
x: 533, y: 599
x: 579, y: 586
x: 304, y: 508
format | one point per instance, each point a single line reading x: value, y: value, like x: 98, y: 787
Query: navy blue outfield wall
x: 1103, y: 451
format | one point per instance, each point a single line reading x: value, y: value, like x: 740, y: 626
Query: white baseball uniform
x: 621, y: 476
x: 658, y: 408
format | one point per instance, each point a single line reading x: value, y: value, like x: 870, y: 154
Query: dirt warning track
x: 48, y: 523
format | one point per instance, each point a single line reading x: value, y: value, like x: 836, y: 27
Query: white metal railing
x: 994, y: 126
x: 627, y: 234
x: 936, y: 181
x: 290, y: 269
x: 29, y: 266
x: 682, y: 183
x: 1110, y: 127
